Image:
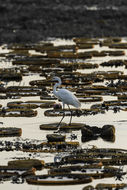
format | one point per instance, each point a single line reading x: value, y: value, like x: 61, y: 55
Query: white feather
x: 65, y: 95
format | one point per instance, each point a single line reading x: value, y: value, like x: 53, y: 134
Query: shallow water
x: 31, y: 131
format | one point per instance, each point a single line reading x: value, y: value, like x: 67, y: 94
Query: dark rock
x: 87, y: 131
x: 10, y: 132
x: 38, y: 164
x: 107, y: 132
x: 55, y: 138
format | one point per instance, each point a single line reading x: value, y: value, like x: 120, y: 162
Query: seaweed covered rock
x: 17, y: 171
x: 63, y: 126
x: 55, y: 138
x: 17, y: 112
x: 94, y: 171
x: 10, y: 132
x: 60, y: 179
x: 88, y: 187
x: 87, y: 132
x: 38, y: 164
x: 107, y: 132
x: 51, y: 126
x: 116, y: 63
x: 103, y: 186
x: 30, y: 104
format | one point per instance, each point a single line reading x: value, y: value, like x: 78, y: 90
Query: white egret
x: 66, y: 97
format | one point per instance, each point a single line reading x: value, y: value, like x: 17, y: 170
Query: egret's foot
x: 58, y: 131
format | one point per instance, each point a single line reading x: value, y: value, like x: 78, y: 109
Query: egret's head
x: 56, y: 79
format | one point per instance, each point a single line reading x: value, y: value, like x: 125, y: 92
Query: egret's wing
x: 68, y: 98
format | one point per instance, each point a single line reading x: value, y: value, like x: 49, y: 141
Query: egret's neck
x: 55, y: 87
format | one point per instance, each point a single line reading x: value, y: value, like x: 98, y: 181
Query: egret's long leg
x: 61, y: 120
x: 58, y: 125
x: 71, y: 115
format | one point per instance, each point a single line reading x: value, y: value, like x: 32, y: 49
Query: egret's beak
x: 48, y: 78
x: 51, y: 79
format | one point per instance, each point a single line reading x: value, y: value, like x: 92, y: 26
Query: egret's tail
x: 77, y: 104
